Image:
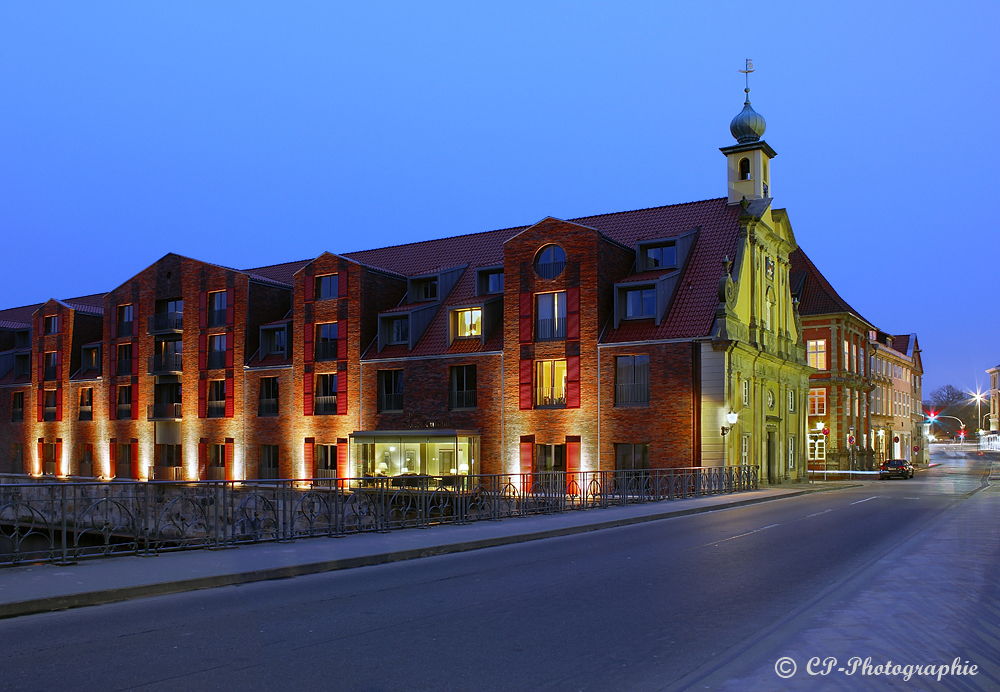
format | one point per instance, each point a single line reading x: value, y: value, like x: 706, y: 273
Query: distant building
x: 994, y: 374
x: 896, y: 399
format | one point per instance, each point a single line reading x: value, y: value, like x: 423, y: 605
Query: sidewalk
x: 44, y: 587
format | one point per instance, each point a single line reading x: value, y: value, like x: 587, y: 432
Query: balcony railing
x: 326, y: 473
x: 166, y: 322
x: 168, y: 473
x: 463, y: 399
x: 124, y: 411
x: 216, y: 409
x: 125, y: 328
x: 16, y: 415
x: 326, y: 404
x: 215, y: 473
x: 326, y: 350
x: 631, y: 393
x: 550, y: 270
x: 550, y: 396
x: 550, y: 328
x: 86, y: 413
x: 216, y: 360
x: 390, y: 402
x: 171, y: 411
x: 267, y: 407
x: 168, y: 362
x: 217, y: 318
x: 49, y: 372
x: 267, y: 472
x: 124, y: 367
x: 49, y: 413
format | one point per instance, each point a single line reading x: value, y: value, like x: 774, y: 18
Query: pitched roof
x: 282, y: 273
x: 427, y: 256
x: 13, y: 324
x: 816, y: 295
x: 92, y: 304
x: 904, y: 343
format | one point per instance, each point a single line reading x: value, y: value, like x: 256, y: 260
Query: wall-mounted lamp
x: 731, y: 418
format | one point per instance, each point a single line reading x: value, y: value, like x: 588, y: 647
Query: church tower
x: 749, y: 160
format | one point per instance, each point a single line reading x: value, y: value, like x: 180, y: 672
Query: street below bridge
x: 903, y: 570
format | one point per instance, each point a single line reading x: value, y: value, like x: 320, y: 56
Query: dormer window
x: 550, y: 261
x: 399, y: 330
x: 425, y: 289
x: 51, y: 324
x: 468, y: 323
x: 661, y: 256
x: 274, y: 341
x: 490, y: 281
x: 22, y: 338
x: 744, y: 169
x: 90, y: 360
x: 640, y: 302
x: 327, y: 286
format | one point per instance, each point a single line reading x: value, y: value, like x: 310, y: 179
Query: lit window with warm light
x: 468, y: 323
x: 816, y: 353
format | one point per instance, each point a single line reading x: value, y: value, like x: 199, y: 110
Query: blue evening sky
x: 248, y: 134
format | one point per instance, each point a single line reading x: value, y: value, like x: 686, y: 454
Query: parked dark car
x: 896, y: 467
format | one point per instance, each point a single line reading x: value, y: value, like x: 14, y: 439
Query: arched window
x: 550, y: 261
x: 744, y: 169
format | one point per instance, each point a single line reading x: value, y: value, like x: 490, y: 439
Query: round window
x: 550, y: 261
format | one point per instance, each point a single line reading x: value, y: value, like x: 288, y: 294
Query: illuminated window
x: 325, y: 399
x: 550, y: 383
x: 551, y: 316
x: 468, y: 323
x: 817, y: 448
x: 216, y: 398
x: 817, y: 402
x: 816, y: 354
x: 791, y: 451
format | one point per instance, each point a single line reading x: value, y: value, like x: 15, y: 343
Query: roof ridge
x: 662, y: 206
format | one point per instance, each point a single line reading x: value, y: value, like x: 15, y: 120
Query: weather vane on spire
x: 746, y: 73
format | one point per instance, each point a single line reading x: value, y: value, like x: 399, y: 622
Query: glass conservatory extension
x: 414, y: 453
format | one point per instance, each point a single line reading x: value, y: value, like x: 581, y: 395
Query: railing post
x: 62, y: 488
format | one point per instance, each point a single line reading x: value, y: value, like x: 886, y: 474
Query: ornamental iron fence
x: 64, y: 522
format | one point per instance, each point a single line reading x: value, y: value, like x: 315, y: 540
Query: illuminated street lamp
x: 979, y: 398
x: 933, y: 418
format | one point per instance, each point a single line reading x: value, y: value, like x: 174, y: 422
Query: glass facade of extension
x: 382, y: 453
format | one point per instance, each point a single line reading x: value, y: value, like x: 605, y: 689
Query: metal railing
x: 216, y: 360
x: 217, y: 318
x: 267, y: 407
x: 216, y: 409
x: 63, y: 522
x: 168, y: 473
x: 165, y: 363
x: 86, y: 413
x: 166, y: 322
x: 325, y: 404
x: 164, y: 411
x: 550, y: 328
x: 390, y: 402
x: 630, y: 393
x: 463, y: 398
x: 550, y: 396
x: 123, y: 412
x: 326, y: 350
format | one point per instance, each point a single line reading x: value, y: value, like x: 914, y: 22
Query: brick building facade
x: 654, y: 338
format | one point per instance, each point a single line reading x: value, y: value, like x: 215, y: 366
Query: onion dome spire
x: 749, y: 125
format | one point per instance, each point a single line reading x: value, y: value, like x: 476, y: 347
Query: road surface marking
x: 818, y: 513
x: 865, y: 500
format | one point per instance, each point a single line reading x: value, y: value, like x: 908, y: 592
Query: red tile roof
x: 271, y: 360
x: 282, y: 273
x: 816, y: 295
x: 413, y: 259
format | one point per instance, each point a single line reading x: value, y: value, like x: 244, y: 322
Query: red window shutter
x: 59, y: 468
x: 135, y: 404
x: 573, y: 382
x: 112, y: 450
x: 202, y: 459
x: 524, y: 318
x: 307, y: 341
x: 342, y: 340
x: 203, y: 310
x: 202, y: 398
x: 40, y: 401
x: 41, y: 453
x: 41, y: 365
x: 230, y: 443
x: 525, y: 380
x: 230, y: 308
x: 342, y: 392
x: 527, y: 453
x: 230, y: 338
x: 135, y: 456
x: 310, y: 443
x: 309, y: 285
x: 573, y: 313
x: 59, y: 394
x: 572, y: 463
x: 342, y: 284
x: 59, y: 365
x: 343, y: 468
x: 135, y: 358
x: 202, y: 351
x: 112, y: 402
x: 230, y: 386
x: 307, y: 394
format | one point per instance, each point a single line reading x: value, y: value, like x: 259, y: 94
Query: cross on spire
x: 746, y: 75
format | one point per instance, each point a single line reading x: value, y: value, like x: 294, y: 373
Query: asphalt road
x: 671, y: 604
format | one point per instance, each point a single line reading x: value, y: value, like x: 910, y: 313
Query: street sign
x: 850, y: 439
x: 826, y: 431
x: 896, y: 438
x: 916, y: 448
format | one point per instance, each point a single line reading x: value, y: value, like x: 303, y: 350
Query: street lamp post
x: 979, y: 398
x: 933, y: 419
